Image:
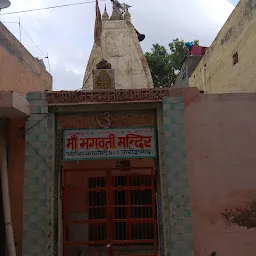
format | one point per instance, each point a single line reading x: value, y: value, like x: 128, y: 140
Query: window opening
x: 235, y: 59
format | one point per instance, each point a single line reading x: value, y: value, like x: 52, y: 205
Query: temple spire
x: 120, y: 47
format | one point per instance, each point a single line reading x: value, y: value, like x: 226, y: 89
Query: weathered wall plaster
x: 19, y: 70
x: 35, y: 179
x: 177, y: 178
x: 216, y: 72
x: 221, y: 146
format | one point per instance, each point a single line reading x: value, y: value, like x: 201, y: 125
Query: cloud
x: 66, y: 34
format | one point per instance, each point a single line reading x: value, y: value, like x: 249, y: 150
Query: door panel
x: 109, y: 212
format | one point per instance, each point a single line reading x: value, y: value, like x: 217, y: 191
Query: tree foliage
x: 165, y: 64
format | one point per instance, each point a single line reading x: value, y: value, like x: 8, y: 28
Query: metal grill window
x: 97, y: 210
x: 129, y: 203
x: 115, y: 208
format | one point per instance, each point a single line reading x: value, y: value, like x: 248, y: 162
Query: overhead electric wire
x: 46, y: 56
x: 38, y: 155
x: 10, y: 22
x: 32, y: 40
x: 46, y: 115
x: 51, y: 7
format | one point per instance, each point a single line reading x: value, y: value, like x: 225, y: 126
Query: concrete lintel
x: 13, y: 105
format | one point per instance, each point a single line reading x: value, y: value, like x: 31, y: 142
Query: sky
x: 66, y: 34
x: 234, y: 2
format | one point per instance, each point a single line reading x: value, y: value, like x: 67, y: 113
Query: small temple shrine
x: 109, y: 183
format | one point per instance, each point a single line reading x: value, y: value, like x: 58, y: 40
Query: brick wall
x: 19, y: 70
x: 35, y: 179
x: 216, y: 72
x: 177, y: 177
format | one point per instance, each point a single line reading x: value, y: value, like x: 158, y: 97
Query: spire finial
x: 105, y: 15
x: 116, y: 14
x: 119, y: 10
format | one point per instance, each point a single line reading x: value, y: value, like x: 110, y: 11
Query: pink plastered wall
x: 221, y: 149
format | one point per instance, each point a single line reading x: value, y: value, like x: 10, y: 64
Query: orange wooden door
x: 109, y: 211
